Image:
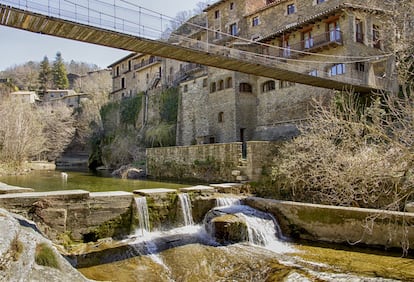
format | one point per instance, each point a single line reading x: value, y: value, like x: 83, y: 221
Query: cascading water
x: 143, y: 215
x: 186, y: 209
x: 227, y: 201
x: 262, y: 228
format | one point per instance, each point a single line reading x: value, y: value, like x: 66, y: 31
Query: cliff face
x: 25, y: 255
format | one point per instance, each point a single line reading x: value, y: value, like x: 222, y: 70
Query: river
x: 43, y: 181
x: 186, y: 255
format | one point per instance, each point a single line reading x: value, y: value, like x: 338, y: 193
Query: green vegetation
x: 60, y: 79
x: 122, y: 139
x: 46, y: 256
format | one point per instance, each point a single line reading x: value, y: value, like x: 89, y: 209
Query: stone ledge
x: 198, y: 189
x: 9, y: 189
x: 145, y: 192
x: 52, y: 194
x: 110, y: 194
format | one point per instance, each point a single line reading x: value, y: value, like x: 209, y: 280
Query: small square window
x: 255, y: 21
x: 290, y: 9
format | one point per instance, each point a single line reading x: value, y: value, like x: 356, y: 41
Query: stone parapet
x: 340, y: 224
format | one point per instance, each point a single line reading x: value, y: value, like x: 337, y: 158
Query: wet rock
x: 226, y: 228
x: 129, y: 172
x: 25, y: 255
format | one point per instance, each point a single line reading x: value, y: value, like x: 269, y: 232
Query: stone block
x: 241, y: 178
x: 235, y: 172
x: 409, y: 207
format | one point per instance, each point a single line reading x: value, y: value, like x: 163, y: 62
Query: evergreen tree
x: 45, y: 75
x: 60, y: 79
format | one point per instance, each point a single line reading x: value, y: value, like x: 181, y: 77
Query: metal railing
x: 129, y: 18
x: 313, y: 43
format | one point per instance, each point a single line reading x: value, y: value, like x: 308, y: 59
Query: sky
x: 18, y: 47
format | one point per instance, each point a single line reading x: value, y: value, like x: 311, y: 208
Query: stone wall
x: 211, y: 162
x: 77, y: 213
x: 339, y: 224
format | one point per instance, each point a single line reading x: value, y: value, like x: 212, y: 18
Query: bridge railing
x: 126, y: 17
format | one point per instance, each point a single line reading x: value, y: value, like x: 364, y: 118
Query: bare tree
x: 58, y: 129
x: 20, y: 132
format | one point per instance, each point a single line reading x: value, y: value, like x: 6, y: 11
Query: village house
x: 66, y: 96
x: 330, y: 38
x: 29, y: 97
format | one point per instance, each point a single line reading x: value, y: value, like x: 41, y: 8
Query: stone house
x: 29, y: 97
x: 66, y: 96
x: 323, y: 38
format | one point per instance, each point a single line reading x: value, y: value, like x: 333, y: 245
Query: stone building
x: 341, y: 36
x: 323, y: 38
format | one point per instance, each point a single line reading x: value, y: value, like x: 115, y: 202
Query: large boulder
x: 226, y: 228
x: 25, y: 255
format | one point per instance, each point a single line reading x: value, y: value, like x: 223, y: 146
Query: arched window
x: 220, y: 117
x: 213, y: 87
x: 268, y: 86
x: 220, y: 85
x: 229, y: 82
x: 245, y: 87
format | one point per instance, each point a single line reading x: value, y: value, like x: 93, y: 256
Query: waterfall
x: 143, y: 215
x: 186, y: 208
x: 227, y: 201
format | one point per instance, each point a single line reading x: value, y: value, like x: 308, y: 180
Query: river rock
x: 21, y: 250
x: 226, y: 228
x: 129, y: 172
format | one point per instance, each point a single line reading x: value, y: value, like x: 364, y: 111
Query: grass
x: 46, y: 256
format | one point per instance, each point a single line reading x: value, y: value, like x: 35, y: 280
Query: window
x: 286, y: 47
x: 334, y: 31
x: 220, y: 85
x: 185, y: 88
x: 268, y: 86
x: 376, y: 43
x: 129, y: 65
x: 337, y: 69
x: 233, y: 29
x: 360, y: 66
x: 231, y: 5
x: 220, y: 117
x: 117, y: 71
x: 313, y: 73
x: 255, y: 21
x: 319, y: 1
x: 217, y: 34
x: 229, y: 82
x: 307, y: 40
x: 290, y: 9
x: 217, y: 14
x: 245, y: 87
x: 205, y: 82
x: 213, y: 87
x: 359, y: 35
x: 285, y: 84
x: 269, y: 2
x: 123, y: 86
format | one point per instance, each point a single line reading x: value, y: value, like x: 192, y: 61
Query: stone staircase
x: 240, y: 174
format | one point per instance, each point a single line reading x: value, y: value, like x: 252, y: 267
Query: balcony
x: 324, y: 41
x: 148, y: 62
